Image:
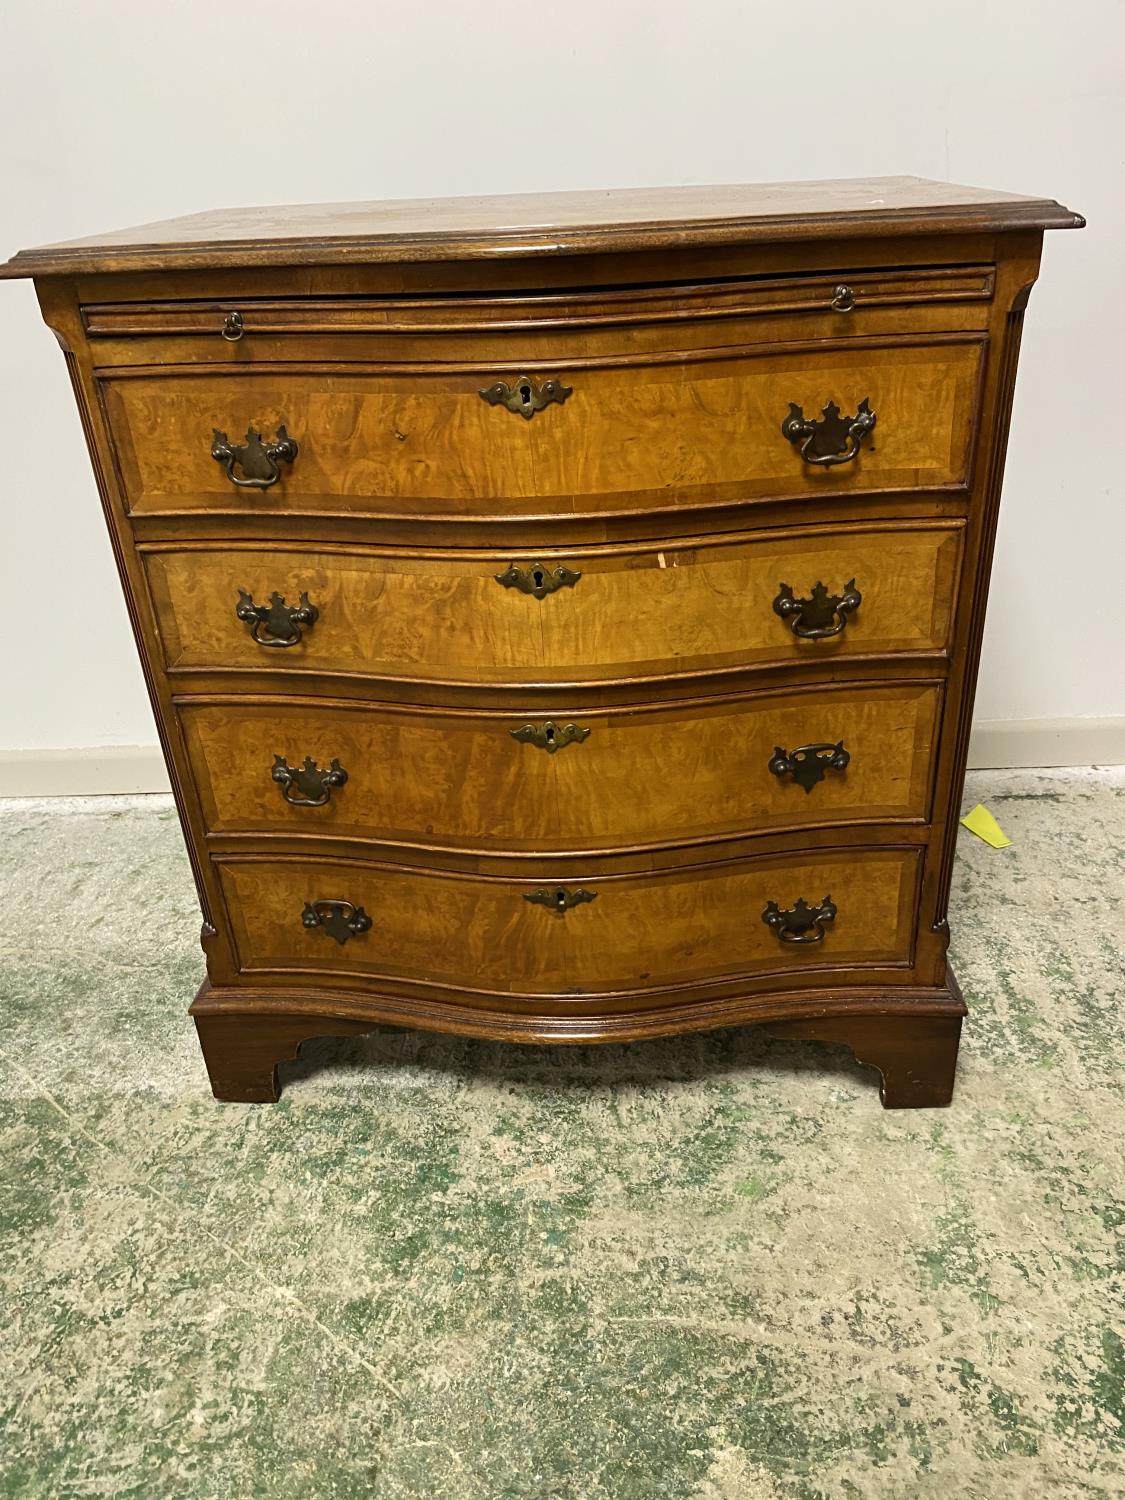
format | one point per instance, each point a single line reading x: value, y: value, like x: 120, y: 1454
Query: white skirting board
x: 88, y: 771
x: 1009, y: 744
x: 108, y: 770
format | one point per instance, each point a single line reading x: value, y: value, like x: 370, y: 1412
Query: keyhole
x: 549, y: 734
x: 525, y: 394
x: 560, y: 899
x: 537, y: 578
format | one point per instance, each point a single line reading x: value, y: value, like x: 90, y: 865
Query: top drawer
x: 615, y: 434
x: 197, y: 328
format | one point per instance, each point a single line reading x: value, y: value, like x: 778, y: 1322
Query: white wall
x: 125, y: 111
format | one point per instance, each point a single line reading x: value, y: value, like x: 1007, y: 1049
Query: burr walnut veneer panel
x: 639, y: 933
x: 641, y: 776
x: 672, y: 427
x: 637, y: 612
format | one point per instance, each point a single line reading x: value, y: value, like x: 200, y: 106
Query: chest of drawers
x: 561, y: 614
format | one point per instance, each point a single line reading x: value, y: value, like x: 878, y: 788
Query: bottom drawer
x: 624, y: 934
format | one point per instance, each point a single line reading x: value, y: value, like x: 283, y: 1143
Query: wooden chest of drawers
x: 561, y: 614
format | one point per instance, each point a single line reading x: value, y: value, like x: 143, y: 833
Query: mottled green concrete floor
x: 709, y: 1268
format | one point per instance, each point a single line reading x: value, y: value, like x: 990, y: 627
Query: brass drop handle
x: 550, y: 736
x: 843, y: 299
x: 831, y: 438
x: 821, y: 615
x: 537, y: 578
x: 307, y: 785
x: 525, y: 396
x: 339, y: 919
x: 232, y: 329
x: 560, y: 898
x: 260, y: 462
x: 808, y: 764
x: 802, y: 923
x: 276, y: 623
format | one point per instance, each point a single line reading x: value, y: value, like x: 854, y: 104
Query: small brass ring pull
x: 537, y: 578
x: 276, y: 623
x: 802, y: 923
x: 844, y: 299
x: 560, y: 898
x: 260, y: 462
x: 821, y: 615
x: 831, y: 438
x: 232, y: 329
x: 339, y: 919
x: 550, y: 736
x: 525, y: 396
x: 307, y: 785
x: 808, y: 764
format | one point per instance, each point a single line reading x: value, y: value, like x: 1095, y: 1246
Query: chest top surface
x: 437, y: 229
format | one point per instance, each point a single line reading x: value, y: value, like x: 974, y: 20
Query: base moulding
x: 910, y: 1036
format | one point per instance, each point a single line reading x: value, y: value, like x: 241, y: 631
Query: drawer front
x: 628, y: 613
x: 493, y: 783
x: 482, y: 935
x: 671, y: 429
x: 211, y: 329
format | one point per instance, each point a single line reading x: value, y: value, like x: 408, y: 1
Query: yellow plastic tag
x: 981, y: 822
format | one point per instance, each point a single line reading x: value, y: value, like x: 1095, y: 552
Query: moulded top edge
x: 545, y: 224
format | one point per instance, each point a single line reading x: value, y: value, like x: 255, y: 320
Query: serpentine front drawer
x: 770, y: 599
x: 601, y: 934
x: 668, y: 428
x: 487, y: 782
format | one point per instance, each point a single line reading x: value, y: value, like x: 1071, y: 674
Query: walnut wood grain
x: 435, y: 229
x: 481, y: 937
x: 635, y: 612
x: 119, y: 328
x: 916, y: 1056
x: 644, y: 777
x: 535, y: 333
x: 904, y: 1031
x: 596, y: 272
x: 634, y: 435
x: 1014, y: 291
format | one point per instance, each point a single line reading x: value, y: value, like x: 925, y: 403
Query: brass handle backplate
x: 260, y: 462
x: 808, y: 764
x: 276, y: 623
x: 820, y: 615
x: 524, y: 396
x: 339, y: 919
x: 802, y: 923
x: 537, y: 578
x: 831, y: 438
x: 550, y: 736
x: 307, y: 785
x: 560, y: 898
